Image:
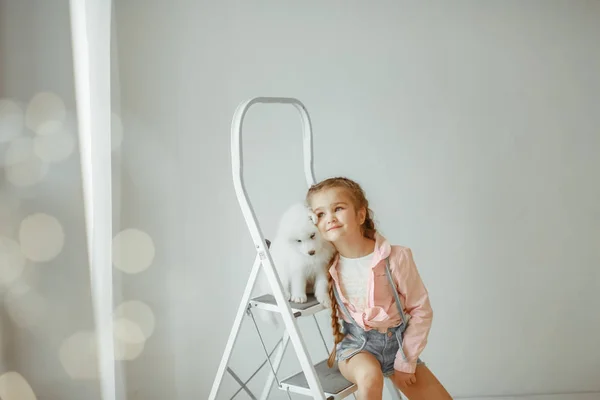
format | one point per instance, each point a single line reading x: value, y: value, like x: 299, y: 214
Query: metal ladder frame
x: 263, y: 256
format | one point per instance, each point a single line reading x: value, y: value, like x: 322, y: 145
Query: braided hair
x: 359, y: 200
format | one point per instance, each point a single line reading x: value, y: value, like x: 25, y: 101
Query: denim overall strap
x: 342, y: 305
x: 395, y: 290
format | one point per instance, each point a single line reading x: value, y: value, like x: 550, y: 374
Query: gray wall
x: 51, y: 298
x: 473, y: 129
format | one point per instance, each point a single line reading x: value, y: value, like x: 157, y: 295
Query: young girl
x: 376, y: 290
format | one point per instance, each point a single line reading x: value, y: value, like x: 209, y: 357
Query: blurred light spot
x: 45, y: 113
x: 59, y: 145
x: 23, y: 166
x: 11, y: 120
x: 129, y: 340
x: 49, y: 127
x: 41, y: 236
x: 9, y: 213
x: 55, y: 147
x: 125, y: 351
x: 13, y: 386
x: 138, y: 312
x: 77, y: 355
x: 127, y: 331
x: 19, y: 150
x: 133, y: 251
x: 25, y: 306
x: 9, y: 203
x: 116, y: 131
x: 12, y: 261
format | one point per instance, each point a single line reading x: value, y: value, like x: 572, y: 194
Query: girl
x: 376, y: 290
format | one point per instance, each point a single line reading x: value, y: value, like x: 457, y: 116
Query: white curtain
x: 90, y: 30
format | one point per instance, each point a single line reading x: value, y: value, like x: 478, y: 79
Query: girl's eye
x: 338, y: 208
x: 319, y: 215
x: 312, y: 236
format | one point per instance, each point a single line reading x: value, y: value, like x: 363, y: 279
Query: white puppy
x: 301, y: 256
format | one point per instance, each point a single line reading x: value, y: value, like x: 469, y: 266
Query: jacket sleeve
x: 417, y: 305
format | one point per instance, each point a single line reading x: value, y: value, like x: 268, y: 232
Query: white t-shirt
x: 354, y: 279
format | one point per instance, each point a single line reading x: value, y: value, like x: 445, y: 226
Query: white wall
x: 473, y: 129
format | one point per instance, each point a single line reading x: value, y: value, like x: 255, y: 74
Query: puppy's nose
x: 311, y: 253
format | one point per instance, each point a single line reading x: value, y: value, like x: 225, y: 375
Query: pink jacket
x: 382, y: 311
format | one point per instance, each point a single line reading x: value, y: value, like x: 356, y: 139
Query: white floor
x: 587, y: 396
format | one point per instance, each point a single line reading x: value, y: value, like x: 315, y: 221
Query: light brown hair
x: 359, y: 200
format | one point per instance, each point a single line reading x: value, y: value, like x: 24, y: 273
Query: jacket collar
x: 381, y: 252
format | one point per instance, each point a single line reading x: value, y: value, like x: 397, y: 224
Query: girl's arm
x: 416, y: 303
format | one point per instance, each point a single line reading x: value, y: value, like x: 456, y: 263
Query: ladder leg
x: 394, y: 392
x: 235, y: 330
x: 276, y: 363
x: 291, y: 327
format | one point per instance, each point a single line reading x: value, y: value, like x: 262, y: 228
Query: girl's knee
x: 370, y: 378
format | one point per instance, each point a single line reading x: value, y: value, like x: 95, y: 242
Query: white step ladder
x: 314, y: 380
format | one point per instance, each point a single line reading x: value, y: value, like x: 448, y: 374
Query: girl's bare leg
x: 427, y: 386
x: 364, y: 370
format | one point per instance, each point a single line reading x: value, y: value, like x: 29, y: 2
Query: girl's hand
x: 404, y: 378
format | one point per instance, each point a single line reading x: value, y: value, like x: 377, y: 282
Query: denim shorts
x: 384, y: 346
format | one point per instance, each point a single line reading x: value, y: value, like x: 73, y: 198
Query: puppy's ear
x: 313, y: 217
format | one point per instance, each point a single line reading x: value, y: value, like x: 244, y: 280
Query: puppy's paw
x: 324, y: 299
x: 299, y: 298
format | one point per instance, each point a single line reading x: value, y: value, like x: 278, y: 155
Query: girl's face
x: 337, y: 219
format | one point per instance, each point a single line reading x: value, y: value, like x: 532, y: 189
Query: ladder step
x: 268, y: 302
x: 332, y: 381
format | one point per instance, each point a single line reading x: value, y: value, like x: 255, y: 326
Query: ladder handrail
x: 257, y: 235
x: 236, y: 145
x: 237, y: 160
